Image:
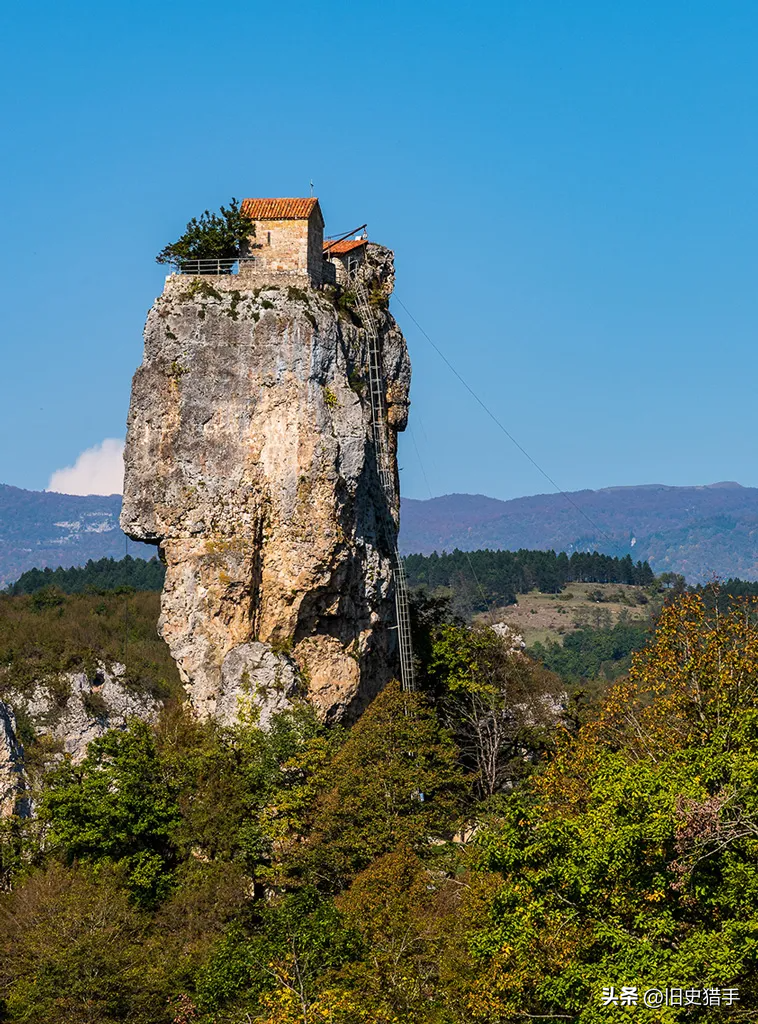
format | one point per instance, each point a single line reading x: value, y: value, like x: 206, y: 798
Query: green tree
x: 500, y: 705
x: 300, y: 938
x: 95, y: 577
x: 633, y: 857
x: 414, y: 920
x: 211, y: 236
x: 118, y: 805
x: 71, y: 950
x: 226, y: 778
x: 74, y: 949
x: 394, y: 782
x: 589, y: 653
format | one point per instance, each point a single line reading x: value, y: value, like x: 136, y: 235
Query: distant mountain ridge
x: 43, y: 528
x: 698, y: 531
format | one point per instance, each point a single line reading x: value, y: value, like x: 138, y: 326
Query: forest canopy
x: 187, y: 873
x: 94, y: 577
x: 484, y: 578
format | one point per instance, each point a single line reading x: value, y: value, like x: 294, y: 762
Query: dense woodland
x: 469, y: 582
x: 589, y: 654
x: 492, y: 848
x: 479, y: 851
x: 479, y: 579
x: 96, y: 576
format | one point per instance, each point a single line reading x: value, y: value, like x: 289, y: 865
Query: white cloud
x: 98, y: 470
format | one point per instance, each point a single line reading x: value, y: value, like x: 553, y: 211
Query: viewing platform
x: 245, y: 273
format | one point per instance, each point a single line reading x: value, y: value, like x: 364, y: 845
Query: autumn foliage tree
x: 500, y: 706
x: 194, y: 874
x: 633, y: 857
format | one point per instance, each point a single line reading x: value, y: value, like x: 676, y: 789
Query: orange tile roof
x: 346, y: 245
x: 279, y: 209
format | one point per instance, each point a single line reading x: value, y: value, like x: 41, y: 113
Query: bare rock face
x: 78, y: 709
x: 250, y: 461
x: 12, y: 782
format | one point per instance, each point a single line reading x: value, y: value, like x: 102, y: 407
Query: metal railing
x: 227, y: 266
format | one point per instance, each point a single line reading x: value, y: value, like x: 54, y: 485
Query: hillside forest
x: 502, y: 845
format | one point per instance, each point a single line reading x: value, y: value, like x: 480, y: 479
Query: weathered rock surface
x: 12, y: 783
x: 79, y: 709
x: 249, y: 460
x: 514, y: 639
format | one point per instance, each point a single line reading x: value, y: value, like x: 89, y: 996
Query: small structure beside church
x: 345, y: 255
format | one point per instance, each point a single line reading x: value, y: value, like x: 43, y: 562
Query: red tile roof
x: 279, y: 209
x: 346, y: 245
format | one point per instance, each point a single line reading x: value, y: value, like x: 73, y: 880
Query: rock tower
x: 250, y: 462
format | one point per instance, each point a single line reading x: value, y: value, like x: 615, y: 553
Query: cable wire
x: 507, y: 433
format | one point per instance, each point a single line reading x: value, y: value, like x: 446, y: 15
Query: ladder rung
x: 387, y: 479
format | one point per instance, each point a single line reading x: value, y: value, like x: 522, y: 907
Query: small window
x: 269, y: 238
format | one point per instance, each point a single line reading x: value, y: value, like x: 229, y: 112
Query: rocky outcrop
x: 76, y: 709
x: 12, y: 783
x: 511, y: 636
x: 249, y: 460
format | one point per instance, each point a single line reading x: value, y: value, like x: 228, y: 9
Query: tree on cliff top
x: 214, y: 236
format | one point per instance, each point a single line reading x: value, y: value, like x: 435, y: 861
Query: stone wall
x: 315, y: 248
x: 289, y: 246
x: 344, y: 262
x: 251, y: 276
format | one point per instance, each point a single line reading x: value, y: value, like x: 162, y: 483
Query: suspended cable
x: 507, y: 433
x: 420, y: 461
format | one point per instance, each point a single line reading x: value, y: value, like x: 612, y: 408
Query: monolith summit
x: 251, y: 460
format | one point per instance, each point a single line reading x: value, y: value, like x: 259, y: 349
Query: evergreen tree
x: 211, y: 236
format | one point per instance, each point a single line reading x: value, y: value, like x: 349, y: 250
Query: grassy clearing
x: 545, y: 618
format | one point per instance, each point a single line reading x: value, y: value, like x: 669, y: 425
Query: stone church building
x: 289, y: 243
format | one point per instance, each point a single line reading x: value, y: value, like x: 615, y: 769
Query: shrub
x: 95, y: 705
x: 44, y: 644
x: 211, y: 236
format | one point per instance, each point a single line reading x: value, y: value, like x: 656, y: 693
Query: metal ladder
x: 387, y: 480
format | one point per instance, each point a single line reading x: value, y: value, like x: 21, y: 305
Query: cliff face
x: 12, y: 783
x: 91, y: 707
x: 65, y: 713
x: 249, y: 460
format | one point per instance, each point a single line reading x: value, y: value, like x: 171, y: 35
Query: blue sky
x: 570, y: 190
